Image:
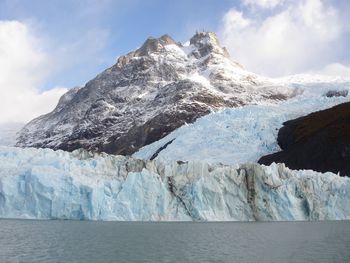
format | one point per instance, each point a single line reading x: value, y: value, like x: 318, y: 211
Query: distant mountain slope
x: 319, y: 141
x: 8, y: 133
x: 147, y: 94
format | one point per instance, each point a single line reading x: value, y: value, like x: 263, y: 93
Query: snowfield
x: 47, y: 184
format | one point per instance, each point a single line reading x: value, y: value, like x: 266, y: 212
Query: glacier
x: 47, y: 184
x: 237, y: 135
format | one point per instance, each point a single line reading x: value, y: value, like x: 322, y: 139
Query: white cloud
x: 335, y: 70
x: 263, y: 3
x: 23, y: 68
x: 301, y: 37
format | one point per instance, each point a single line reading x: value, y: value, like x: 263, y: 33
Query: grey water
x: 83, y: 241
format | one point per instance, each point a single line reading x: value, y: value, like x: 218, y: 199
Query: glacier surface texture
x: 47, y: 184
x: 234, y: 136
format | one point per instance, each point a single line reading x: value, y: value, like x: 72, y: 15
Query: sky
x: 47, y: 47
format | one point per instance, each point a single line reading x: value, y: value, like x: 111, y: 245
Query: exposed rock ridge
x: 206, y: 43
x: 151, y: 45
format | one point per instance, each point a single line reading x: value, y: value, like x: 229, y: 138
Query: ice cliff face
x: 147, y: 94
x: 41, y: 183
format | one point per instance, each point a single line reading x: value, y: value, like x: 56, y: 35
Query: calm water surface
x: 76, y: 241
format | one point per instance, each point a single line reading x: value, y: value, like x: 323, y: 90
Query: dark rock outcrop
x: 319, y: 141
x: 337, y: 93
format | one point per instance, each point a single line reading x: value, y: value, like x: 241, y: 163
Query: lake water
x: 79, y: 241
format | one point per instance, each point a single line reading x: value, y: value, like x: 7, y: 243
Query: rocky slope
x: 42, y: 183
x: 147, y: 94
x: 319, y: 141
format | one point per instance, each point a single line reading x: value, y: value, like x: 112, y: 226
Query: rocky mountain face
x: 147, y: 94
x: 319, y: 141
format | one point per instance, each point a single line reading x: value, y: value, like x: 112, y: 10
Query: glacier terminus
x: 47, y: 184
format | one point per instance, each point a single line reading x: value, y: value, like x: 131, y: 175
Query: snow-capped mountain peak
x: 151, y: 45
x: 206, y: 43
x: 147, y: 94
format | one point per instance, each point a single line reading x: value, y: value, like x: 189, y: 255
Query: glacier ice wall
x: 46, y: 184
